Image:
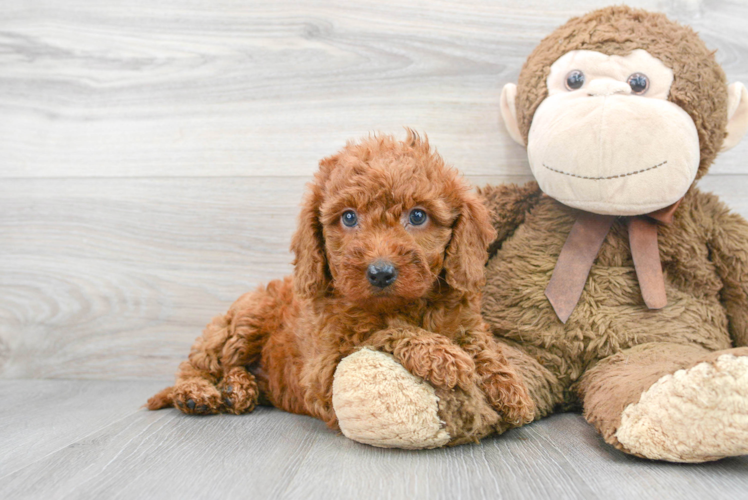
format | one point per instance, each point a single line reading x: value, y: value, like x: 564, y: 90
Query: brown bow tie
x: 582, y: 246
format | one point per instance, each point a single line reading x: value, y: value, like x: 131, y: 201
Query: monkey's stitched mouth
x: 605, y: 178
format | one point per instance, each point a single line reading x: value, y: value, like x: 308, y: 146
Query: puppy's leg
x: 504, y: 388
x: 195, y: 392
x: 215, y: 379
x: 317, y: 380
x: 428, y: 355
x: 239, y: 391
x: 201, y: 392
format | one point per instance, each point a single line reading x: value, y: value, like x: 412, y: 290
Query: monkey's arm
x: 507, y: 205
x: 729, y: 249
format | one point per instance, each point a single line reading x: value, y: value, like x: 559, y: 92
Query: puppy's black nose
x: 381, y: 274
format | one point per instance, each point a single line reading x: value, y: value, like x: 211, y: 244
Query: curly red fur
x: 282, y: 343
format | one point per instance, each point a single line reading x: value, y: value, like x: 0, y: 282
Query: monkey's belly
x: 610, y: 316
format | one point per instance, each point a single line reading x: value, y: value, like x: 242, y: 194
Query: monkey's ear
x: 737, y: 115
x: 509, y: 112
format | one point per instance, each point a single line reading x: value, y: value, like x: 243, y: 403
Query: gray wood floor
x: 97, y: 444
x: 153, y: 154
x: 152, y: 158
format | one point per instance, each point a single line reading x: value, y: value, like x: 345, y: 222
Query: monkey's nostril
x: 381, y: 274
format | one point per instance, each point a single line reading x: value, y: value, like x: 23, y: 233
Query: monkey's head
x: 621, y: 110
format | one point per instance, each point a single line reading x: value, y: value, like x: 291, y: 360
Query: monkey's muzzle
x: 613, y: 155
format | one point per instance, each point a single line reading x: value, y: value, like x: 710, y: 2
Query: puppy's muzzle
x: 381, y: 274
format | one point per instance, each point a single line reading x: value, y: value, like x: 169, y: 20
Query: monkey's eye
x: 349, y: 218
x: 574, y: 80
x: 638, y: 82
x: 417, y: 217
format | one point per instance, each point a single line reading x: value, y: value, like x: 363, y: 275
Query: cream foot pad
x: 378, y: 402
x: 694, y: 415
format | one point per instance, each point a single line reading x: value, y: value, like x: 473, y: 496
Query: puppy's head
x: 386, y: 222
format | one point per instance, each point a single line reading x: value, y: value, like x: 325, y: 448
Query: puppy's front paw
x: 507, y: 395
x: 197, y: 397
x: 439, y: 361
x: 239, y: 391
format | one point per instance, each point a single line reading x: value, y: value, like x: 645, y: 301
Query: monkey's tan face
x: 607, y: 140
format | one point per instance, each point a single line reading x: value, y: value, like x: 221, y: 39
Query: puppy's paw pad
x: 197, y: 399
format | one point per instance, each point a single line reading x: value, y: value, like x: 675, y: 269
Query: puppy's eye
x: 417, y: 217
x: 574, y: 80
x: 638, y: 82
x: 349, y: 218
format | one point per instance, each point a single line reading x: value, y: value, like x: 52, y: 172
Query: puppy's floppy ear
x: 467, y: 252
x: 311, y: 274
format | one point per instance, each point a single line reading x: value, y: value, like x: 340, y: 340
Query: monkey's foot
x: 694, y: 415
x: 378, y: 402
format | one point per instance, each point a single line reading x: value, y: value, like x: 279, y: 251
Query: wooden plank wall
x: 153, y: 154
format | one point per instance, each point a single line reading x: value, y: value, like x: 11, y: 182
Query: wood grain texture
x: 272, y: 454
x: 152, y: 159
x: 232, y: 88
x: 115, y: 278
x: 153, y: 156
x: 98, y: 277
x: 41, y: 417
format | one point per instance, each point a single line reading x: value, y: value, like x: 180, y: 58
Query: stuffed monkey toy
x: 615, y: 285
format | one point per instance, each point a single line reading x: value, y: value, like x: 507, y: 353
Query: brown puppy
x: 389, y: 252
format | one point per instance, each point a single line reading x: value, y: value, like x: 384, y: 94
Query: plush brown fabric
x: 619, y: 380
x: 543, y: 386
x: 613, y: 349
x: 705, y: 261
x: 619, y: 31
x: 284, y: 341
